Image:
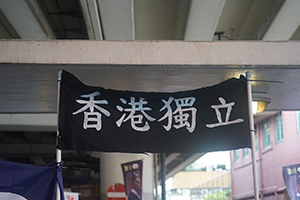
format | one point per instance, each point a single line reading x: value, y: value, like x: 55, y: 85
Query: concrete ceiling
x: 199, y: 28
x: 189, y: 20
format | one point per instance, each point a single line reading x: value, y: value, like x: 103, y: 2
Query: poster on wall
x: 291, y: 176
x: 132, y: 173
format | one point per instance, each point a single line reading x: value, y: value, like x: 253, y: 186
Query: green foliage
x: 192, y: 167
x: 219, y: 195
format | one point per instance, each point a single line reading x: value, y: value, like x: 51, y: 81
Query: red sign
x: 116, y: 192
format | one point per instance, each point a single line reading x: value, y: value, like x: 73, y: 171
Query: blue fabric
x: 30, y: 181
x: 60, y: 181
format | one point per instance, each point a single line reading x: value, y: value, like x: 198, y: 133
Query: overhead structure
x: 203, y: 18
x: 284, y: 24
x: 27, y: 18
x: 168, y: 65
x: 92, y: 19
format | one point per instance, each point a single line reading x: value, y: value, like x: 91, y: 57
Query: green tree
x: 219, y: 195
x: 192, y: 167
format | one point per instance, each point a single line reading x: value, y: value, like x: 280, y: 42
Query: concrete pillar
x: 111, y: 172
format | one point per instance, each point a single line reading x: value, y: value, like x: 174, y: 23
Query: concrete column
x: 111, y: 171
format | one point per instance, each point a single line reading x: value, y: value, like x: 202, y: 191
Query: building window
x: 236, y: 154
x: 278, y: 125
x: 266, y: 132
x: 246, y: 152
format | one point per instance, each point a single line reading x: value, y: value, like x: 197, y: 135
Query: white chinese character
x: 180, y: 115
x: 136, y: 119
x: 218, y: 113
x: 89, y: 120
x: 169, y: 113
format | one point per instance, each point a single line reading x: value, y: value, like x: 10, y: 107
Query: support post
x: 155, y: 175
x: 163, y: 175
x: 252, y: 132
x: 58, y: 151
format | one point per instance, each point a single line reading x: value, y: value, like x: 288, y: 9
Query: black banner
x: 208, y: 119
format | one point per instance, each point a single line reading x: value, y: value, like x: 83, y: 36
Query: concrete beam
x: 259, y: 18
x: 203, y: 19
x: 22, y: 13
x: 285, y: 23
x: 150, y: 52
x: 92, y: 19
x: 117, y: 18
x: 28, y: 122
